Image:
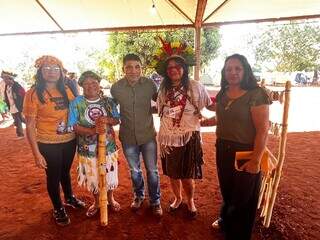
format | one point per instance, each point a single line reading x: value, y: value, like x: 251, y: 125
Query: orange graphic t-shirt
x: 51, y: 116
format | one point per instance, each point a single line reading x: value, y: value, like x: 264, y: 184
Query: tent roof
x: 46, y: 16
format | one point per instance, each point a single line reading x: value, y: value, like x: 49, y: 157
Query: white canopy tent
x: 50, y: 16
x: 24, y: 17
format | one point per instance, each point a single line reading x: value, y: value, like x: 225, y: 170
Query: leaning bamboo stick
x: 267, y: 200
x: 103, y: 199
x: 273, y: 159
x: 267, y: 177
x: 283, y: 141
x: 262, y: 190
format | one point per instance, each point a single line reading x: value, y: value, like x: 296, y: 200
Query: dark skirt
x: 184, y: 162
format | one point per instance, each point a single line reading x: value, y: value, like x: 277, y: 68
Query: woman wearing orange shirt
x: 53, y: 146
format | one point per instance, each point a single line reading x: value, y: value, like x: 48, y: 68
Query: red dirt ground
x: 25, y: 209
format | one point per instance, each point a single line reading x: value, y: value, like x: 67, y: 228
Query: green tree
x: 25, y: 69
x: 289, y: 47
x: 146, y: 43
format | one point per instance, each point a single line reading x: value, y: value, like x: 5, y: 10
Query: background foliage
x: 146, y: 43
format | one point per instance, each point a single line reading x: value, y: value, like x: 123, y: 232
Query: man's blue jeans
x: 149, y: 155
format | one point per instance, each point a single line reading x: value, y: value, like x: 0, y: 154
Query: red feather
x: 166, y: 47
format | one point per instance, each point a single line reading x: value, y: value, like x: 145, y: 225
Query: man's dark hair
x: 131, y: 57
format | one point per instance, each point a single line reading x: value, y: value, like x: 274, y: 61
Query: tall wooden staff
x: 103, y: 199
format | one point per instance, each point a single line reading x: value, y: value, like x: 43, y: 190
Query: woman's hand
x: 207, y: 122
x: 84, y: 131
x: 40, y: 161
x: 31, y: 135
x: 252, y: 166
x: 101, y: 124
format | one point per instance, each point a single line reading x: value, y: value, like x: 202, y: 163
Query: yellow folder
x: 267, y: 163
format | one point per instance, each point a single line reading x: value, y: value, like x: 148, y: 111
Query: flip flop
x: 92, y: 211
x: 115, y: 206
x: 172, y: 209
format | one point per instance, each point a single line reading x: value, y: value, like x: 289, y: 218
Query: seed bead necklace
x: 177, y: 96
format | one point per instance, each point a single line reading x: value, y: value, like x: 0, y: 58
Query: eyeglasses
x: 53, y: 69
x: 176, y: 67
x: 91, y: 83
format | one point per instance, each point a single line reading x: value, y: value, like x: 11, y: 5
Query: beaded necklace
x: 177, y: 96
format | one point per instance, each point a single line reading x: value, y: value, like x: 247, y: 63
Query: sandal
x: 115, y: 206
x: 172, y: 209
x: 92, y: 210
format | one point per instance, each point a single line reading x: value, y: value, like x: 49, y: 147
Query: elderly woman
x: 88, y: 114
x: 179, y: 103
x: 53, y: 147
x: 242, y: 111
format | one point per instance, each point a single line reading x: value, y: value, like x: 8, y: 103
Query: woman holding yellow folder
x: 242, y: 111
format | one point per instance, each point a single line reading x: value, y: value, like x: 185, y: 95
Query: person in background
x: 242, y: 114
x: 137, y: 133
x: 3, y: 106
x: 14, y: 95
x: 71, y: 82
x: 3, y: 110
x: 53, y: 146
x: 88, y: 114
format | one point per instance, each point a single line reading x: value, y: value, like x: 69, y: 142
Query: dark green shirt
x: 234, y: 120
x: 136, y: 125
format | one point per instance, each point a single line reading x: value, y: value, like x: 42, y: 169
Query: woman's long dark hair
x: 248, y: 81
x: 40, y: 87
x: 166, y: 83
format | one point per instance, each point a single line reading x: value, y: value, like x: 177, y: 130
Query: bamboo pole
x: 103, y: 199
x: 197, y: 43
x: 267, y: 199
x: 281, y: 156
x: 262, y: 190
x: 274, y: 159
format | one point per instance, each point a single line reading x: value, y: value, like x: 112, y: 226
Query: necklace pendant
x: 227, y: 107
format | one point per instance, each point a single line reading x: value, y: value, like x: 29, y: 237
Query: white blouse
x: 179, y: 134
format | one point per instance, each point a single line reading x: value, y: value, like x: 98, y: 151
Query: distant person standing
x: 137, y: 133
x: 315, y: 77
x: 71, y: 82
x: 2, y: 87
x: 3, y: 105
x: 14, y: 96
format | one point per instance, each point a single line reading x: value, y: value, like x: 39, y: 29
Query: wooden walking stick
x: 103, y: 199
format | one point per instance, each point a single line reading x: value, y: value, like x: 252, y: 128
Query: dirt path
x: 25, y: 210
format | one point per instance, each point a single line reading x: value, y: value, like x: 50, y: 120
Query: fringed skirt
x: 88, y: 175
x: 183, y: 162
